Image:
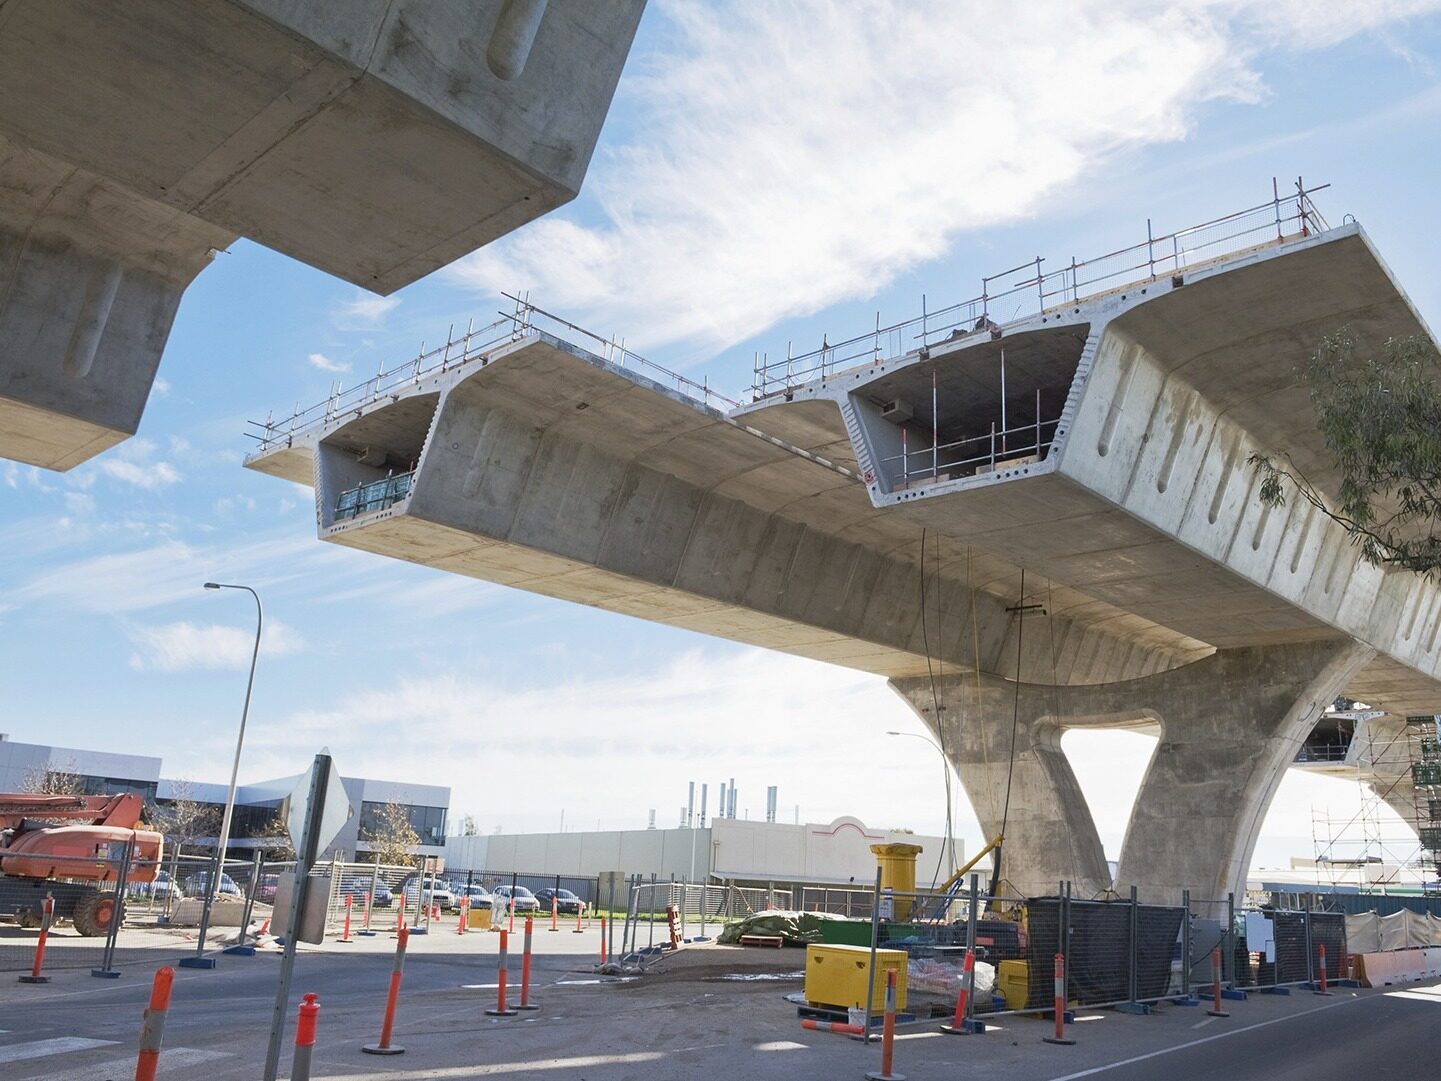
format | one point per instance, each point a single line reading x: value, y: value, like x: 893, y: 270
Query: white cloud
x: 363, y: 311
x: 789, y: 157
x: 134, y: 462
x: 325, y: 364
x: 80, y: 503
x: 176, y: 647
x: 161, y: 387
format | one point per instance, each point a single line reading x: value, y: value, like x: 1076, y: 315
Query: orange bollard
x: 888, y: 1037
x: 554, y: 914
x: 500, y: 1007
x: 1060, y: 1004
x: 1216, y: 1010
x: 1321, y: 950
x: 385, y: 1047
x: 602, y: 940
x: 152, y: 1031
x: 464, y: 915
x: 525, y: 1003
x: 578, y: 913
x: 832, y: 1026
x: 47, y: 912
x: 957, y: 1027
x: 511, y: 925
x: 369, y: 904
x: 345, y: 932
x: 305, y: 1037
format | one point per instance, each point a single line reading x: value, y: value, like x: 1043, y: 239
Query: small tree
x: 468, y: 826
x: 182, y: 818
x: 48, y: 781
x: 274, y: 836
x: 391, y: 835
x: 1381, y: 421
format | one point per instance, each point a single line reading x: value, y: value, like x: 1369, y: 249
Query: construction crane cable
x: 936, y: 702
x: 1015, y: 727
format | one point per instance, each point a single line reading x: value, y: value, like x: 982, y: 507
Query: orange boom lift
x: 78, y: 861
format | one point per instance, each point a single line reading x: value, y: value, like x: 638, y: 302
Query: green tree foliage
x: 1380, y: 417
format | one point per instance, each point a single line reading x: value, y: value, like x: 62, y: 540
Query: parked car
x: 198, y: 884
x: 164, y: 887
x: 566, y: 903
x: 517, y: 898
x: 265, y: 887
x: 477, y: 895
x: 357, y: 886
x: 435, y: 892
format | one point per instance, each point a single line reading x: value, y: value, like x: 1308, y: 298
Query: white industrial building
x: 727, y: 850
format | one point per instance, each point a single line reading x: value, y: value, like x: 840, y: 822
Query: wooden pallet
x: 763, y: 940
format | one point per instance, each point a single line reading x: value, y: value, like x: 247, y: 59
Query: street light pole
x: 223, y: 839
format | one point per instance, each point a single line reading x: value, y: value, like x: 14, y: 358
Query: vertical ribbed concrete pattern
x: 377, y: 140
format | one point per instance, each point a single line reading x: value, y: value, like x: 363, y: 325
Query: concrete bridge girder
x: 555, y: 473
x: 377, y: 140
x: 1228, y: 727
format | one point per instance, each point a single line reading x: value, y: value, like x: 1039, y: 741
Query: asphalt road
x: 692, y: 1018
x: 1374, y: 1037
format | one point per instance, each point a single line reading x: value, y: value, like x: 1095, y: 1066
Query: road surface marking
x: 1205, y: 1021
x: 171, y: 1059
x: 1204, y: 1039
x: 19, y: 1052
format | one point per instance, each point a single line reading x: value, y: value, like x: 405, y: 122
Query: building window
x: 428, y: 822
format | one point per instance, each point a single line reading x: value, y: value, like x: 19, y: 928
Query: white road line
x: 171, y: 1059
x: 19, y: 1052
x: 1204, y: 1039
x: 1205, y: 1021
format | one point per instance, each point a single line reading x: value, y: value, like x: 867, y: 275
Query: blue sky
x: 767, y: 174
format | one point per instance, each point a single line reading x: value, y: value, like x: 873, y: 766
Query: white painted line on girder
x: 1204, y: 1039
x: 59, y: 1045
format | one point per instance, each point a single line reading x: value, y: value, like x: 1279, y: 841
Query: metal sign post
x: 305, y: 853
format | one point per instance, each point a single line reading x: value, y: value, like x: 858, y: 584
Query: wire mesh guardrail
x: 1004, y: 298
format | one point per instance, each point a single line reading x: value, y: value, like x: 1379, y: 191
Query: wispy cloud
x: 177, y: 647
x: 787, y: 157
x: 135, y: 463
x: 325, y: 364
x: 364, y: 311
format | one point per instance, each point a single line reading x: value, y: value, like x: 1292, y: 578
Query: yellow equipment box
x: 479, y: 919
x: 1013, y: 980
x: 837, y: 976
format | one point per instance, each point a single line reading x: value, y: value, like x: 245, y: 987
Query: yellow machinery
x: 837, y: 976
x: 1013, y: 980
x: 898, y: 873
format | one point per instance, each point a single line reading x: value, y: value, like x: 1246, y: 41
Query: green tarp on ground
x: 797, y: 928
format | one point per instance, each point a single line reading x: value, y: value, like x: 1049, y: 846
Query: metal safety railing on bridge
x: 1280, y: 219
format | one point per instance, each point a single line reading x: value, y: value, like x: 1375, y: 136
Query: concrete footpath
x: 710, y: 1012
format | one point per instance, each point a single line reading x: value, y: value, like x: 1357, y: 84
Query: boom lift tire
x: 94, y: 913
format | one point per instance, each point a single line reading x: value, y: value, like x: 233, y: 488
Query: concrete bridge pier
x: 1227, y: 726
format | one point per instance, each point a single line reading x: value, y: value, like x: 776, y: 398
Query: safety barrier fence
x: 1126, y: 952
x: 1029, y: 288
x: 474, y: 347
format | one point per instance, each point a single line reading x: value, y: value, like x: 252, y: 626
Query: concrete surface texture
x: 375, y: 140
x: 1157, y: 589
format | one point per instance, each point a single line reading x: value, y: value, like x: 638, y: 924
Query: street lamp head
x: 212, y: 585
x: 894, y: 733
